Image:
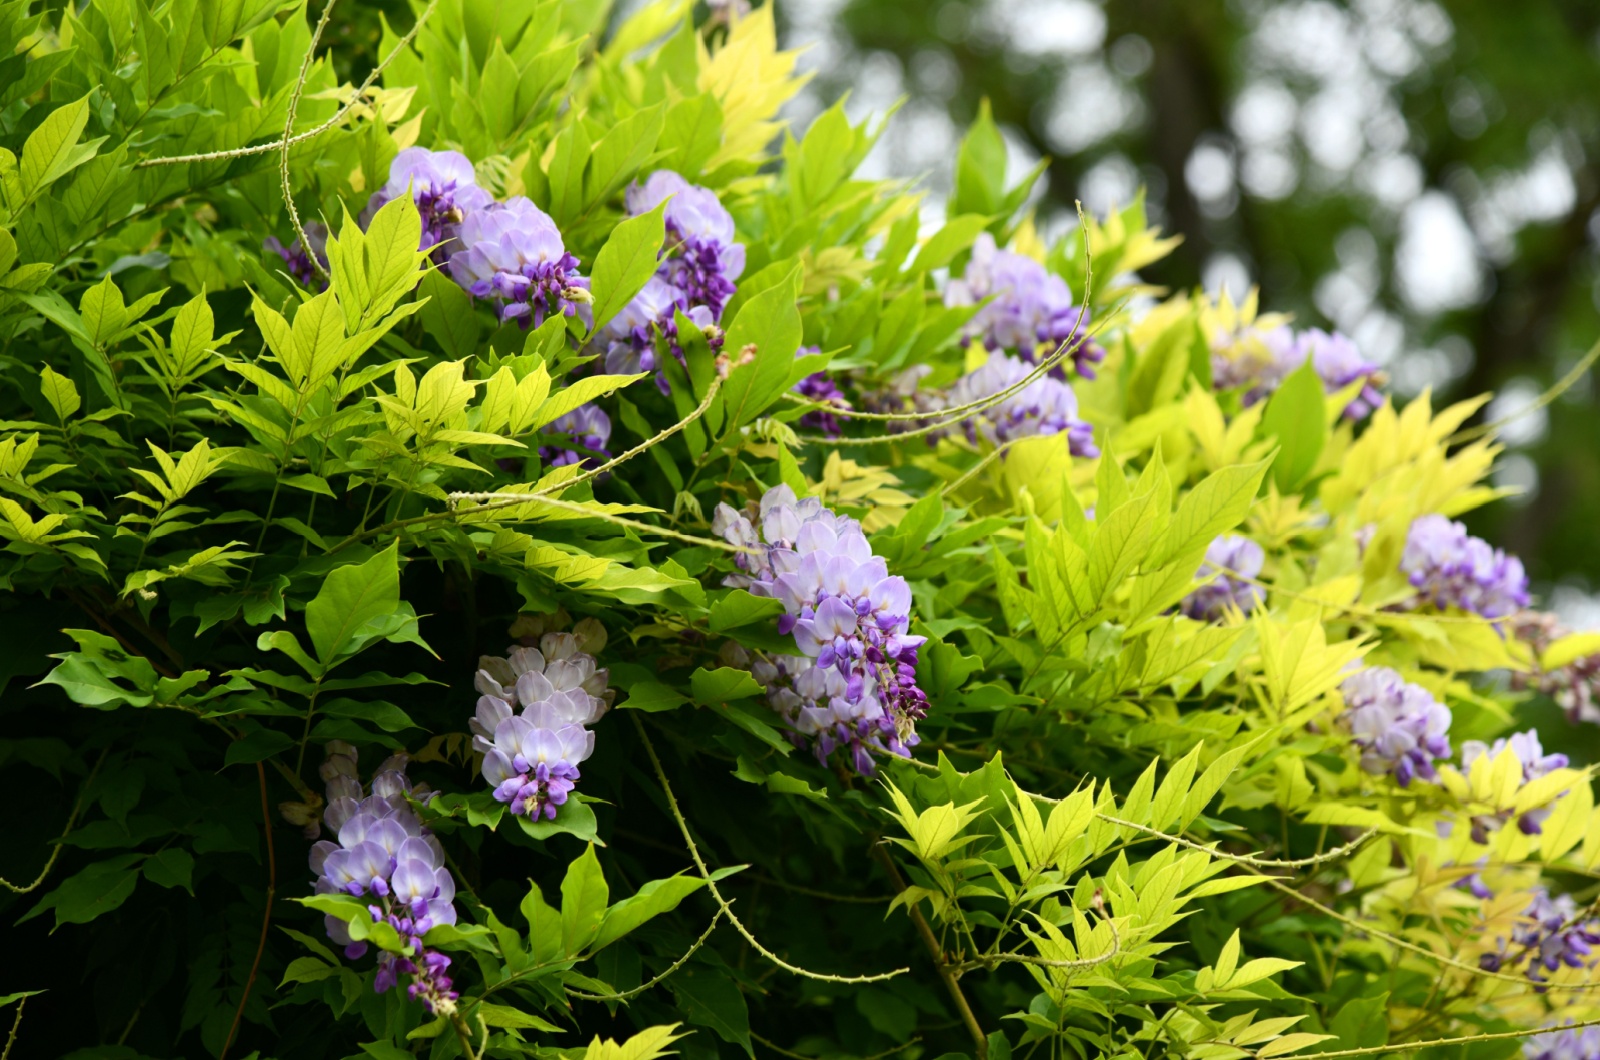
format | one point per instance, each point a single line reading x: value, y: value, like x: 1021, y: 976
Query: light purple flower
x: 1398, y: 726
x: 1565, y: 1044
x: 531, y: 757
x: 853, y: 685
x: 1032, y: 311
x: 1451, y: 568
x: 587, y: 426
x: 1044, y: 406
x: 1227, y: 556
x: 701, y: 258
x: 1259, y: 361
x: 512, y: 254
x: 445, y: 189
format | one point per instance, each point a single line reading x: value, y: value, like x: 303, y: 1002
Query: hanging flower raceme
x: 1575, y: 687
x: 853, y: 687
x: 1398, y: 726
x: 1451, y: 568
x: 1535, y: 764
x: 1228, y: 557
x: 513, y: 255
x: 384, y: 854
x: 1044, y: 406
x: 1569, y: 1043
x: 445, y: 189
x: 588, y: 426
x: 701, y: 258
x: 297, y: 258
x: 1031, y: 312
x: 1550, y: 934
x: 533, y: 714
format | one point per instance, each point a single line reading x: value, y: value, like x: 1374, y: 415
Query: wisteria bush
x: 525, y: 555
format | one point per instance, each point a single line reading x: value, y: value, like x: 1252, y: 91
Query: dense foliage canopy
x: 523, y: 556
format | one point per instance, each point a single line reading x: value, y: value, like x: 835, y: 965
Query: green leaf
x: 448, y: 316
x: 653, y: 899
x: 1294, y: 416
x: 52, y: 150
x: 626, y: 263
x: 351, y: 597
x: 173, y: 867
x: 60, y: 392
x: 506, y: 1016
x: 257, y: 746
x: 573, y: 817
x: 652, y: 696
x: 980, y: 168
x: 942, y: 247
x: 1363, y: 1023
x: 715, y: 687
x: 96, y: 891
x: 710, y: 998
x: 739, y: 608
x: 584, y: 895
x: 768, y: 326
x: 580, y: 392
x: 1215, y: 506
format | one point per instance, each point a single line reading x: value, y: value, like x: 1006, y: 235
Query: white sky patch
x: 1436, y: 260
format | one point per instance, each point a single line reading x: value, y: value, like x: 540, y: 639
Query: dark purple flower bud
x: 297, y: 258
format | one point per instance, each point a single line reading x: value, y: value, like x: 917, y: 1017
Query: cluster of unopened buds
x: 384, y: 854
x: 535, y: 707
x: 853, y: 686
x: 1256, y: 361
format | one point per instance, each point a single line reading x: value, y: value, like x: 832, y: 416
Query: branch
x: 722, y: 903
x: 72, y: 818
x: 266, y: 914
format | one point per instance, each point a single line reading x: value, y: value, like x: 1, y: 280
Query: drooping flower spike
x: 531, y: 755
x: 1228, y: 557
x: 1551, y: 934
x: 1398, y: 726
x: 1043, y: 407
x: 1031, y: 310
x: 384, y: 854
x: 1451, y: 568
x: 853, y: 686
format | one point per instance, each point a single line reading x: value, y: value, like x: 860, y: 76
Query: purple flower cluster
x: 1564, y: 1044
x: 1259, y: 361
x: 1043, y: 407
x: 854, y: 685
x: 1226, y: 557
x: 445, y: 189
x: 1031, y: 309
x: 1576, y: 686
x: 297, y: 259
x: 513, y: 255
x: 1398, y: 726
x: 699, y: 263
x: 385, y: 854
x: 1535, y: 764
x: 588, y: 426
x: 531, y: 758
x: 1451, y: 568
x: 701, y: 258
x: 1552, y: 934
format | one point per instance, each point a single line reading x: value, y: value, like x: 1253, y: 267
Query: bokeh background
x: 1422, y: 175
